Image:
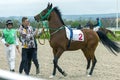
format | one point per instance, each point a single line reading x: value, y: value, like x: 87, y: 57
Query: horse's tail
x: 111, y: 45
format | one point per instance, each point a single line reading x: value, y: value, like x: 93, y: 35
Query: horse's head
x: 45, y: 14
x: 90, y: 25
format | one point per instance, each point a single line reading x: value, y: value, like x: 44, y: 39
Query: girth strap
x: 71, y: 36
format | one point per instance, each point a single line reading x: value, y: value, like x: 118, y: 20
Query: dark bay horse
x: 59, y: 41
x: 106, y: 31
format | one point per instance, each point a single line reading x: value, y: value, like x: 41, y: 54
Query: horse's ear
x: 50, y: 6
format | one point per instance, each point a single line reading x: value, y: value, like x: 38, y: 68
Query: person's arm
x: 96, y: 24
x: 35, y: 32
x: 19, y: 36
x: 3, y: 40
x: 16, y: 39
x: 16, y: 42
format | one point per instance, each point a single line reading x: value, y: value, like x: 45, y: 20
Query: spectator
x: 9, y: 38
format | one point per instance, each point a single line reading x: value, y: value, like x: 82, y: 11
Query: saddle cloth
x: 76, y: 35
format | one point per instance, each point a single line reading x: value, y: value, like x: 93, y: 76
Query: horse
x: 106, y: 31
x: 59, y: 42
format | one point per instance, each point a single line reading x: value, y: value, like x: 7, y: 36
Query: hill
x: 68, y: 17
x: 91, y: 16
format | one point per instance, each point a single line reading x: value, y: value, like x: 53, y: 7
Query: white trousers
x: 10, y: 54
x: 96, y: 28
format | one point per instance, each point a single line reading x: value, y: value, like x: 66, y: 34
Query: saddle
x: 73, y: 34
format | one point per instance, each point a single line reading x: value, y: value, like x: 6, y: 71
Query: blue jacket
x: 98, y: 23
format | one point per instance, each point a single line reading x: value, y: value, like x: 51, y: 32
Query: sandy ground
x: 73, y: 62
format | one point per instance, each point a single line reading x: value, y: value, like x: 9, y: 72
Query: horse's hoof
x: 64, y: 74
x: 51, y: 76
x: 88, y: 75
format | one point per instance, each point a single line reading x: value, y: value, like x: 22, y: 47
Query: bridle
x: 45, y: 25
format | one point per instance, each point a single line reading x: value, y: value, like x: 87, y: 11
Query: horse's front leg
x: 57, y: 54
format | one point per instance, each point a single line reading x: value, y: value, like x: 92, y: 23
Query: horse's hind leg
x: 93, y: 65
x: 86, y: 53
x: 88, y: 65
x: 89, y: 54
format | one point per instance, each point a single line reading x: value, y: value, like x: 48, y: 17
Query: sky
x: 67, y: 7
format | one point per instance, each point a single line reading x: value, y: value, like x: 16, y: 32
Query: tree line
x: 106, y: 22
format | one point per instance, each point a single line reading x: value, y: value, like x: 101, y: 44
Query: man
x: 97, y: 25
x: 28, y: 45
x: 9, y: 38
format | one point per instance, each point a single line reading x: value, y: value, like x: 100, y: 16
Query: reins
x: 45, y: 25
x: 41, y: 34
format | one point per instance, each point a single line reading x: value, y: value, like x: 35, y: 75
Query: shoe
x: 37, y: 70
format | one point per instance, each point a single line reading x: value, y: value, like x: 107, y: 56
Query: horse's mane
x: 59, y: 14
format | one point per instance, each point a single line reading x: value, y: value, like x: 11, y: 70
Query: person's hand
x: 6, y: 44
x: 17, y: 47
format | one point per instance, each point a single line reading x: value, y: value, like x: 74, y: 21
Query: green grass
x: 117, y: 33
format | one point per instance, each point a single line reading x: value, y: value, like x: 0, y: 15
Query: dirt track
x: 73, y: 62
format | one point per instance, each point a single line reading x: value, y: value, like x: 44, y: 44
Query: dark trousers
x: 26, y: 60
x: 34, y: 59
